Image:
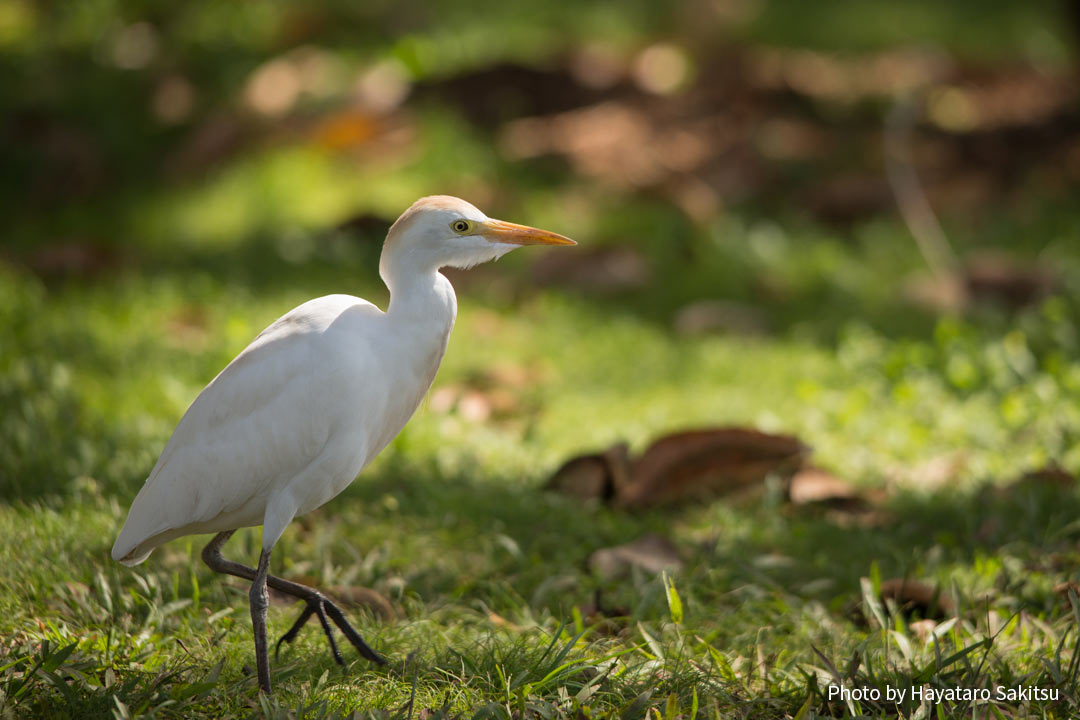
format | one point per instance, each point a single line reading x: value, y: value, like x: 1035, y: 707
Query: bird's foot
x: 315, y: 606
x: 322, y: 608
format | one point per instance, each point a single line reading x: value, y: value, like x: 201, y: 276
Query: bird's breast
x: 379, y: 379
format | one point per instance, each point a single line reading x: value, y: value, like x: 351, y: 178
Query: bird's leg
x: 260, y: 601
x: 317, y: 603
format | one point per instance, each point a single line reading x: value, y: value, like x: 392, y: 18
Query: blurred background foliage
x: 176, y: 175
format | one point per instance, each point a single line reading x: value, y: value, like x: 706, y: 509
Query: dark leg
x: 259, y: 601
x: 315, y: 607
x: 317, y: 603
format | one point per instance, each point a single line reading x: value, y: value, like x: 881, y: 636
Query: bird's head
x: 443, y: 231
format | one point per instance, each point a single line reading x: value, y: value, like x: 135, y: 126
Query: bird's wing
x: 252, y: 429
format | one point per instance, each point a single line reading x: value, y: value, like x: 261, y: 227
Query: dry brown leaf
x: 604, y: 619
x: 916, y: 598
x: 598, y: 476
x: 842, y: 503
x: 652, y: 553
x: 922, y: 629
x: 442, y: 400
x: 813, y: 484
x: 933, y: 474
x: 912, y: 598
x: 499, y: 621
x: 499, y: 392
x: 698, y: 464
x: 474, y: 406
x: 1050, y: 477
x: 987, y: 277
x: 1015, y: 283
x: 507, y: 375
x: 1063, y: 590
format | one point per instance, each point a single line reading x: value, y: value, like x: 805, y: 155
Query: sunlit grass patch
x: 487, y: 573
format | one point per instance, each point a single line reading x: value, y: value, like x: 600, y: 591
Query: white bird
x: 292, y: 420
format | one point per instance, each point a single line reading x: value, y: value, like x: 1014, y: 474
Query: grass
x: 489, y: 573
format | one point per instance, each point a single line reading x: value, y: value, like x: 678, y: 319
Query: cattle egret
x: 293, y: 419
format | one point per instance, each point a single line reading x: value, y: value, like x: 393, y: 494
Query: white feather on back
x: 253, y: 429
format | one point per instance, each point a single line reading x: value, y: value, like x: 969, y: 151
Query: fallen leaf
x: 442, y: 400
x: 698, y: 464
x: 504, y: 375
x: 499, y: 621
x: 840, y: 502
x: 915, y: 598
x: 474, y: 406
x: 996, y: 277
x: 813, y: 484
x: 597, y: 476
x: 1052, y: 478
x: 598, y: 609
x: 603, y: 619
x: 652, y: 553
x: 1063, y: 589
x: 933, y: 474
x: 922, y: 629
x: 499, y: 392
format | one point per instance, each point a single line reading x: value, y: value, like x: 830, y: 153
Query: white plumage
x: 292, y: 405
x: 290, y: 422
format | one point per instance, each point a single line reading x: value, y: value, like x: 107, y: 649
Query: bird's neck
x: 425, y: 297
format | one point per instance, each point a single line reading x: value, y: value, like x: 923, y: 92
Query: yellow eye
x: 460, y: 226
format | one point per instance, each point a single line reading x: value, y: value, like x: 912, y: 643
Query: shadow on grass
x: 1007, y: 543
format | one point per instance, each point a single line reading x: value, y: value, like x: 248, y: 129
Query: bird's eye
x: 460, y: 226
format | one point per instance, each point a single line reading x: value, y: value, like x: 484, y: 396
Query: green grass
x: 487, y: 571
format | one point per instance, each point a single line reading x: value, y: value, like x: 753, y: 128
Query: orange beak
x: 505, y: 232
